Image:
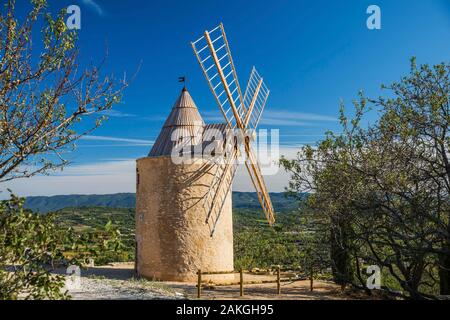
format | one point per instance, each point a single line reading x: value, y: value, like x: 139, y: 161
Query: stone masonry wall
x: 173, y: 240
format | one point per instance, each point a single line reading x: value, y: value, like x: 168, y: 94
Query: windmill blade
x: 255, y: 99
x: 214, y: 56
x: 219, y: 189
x: 241, y: 112
x: 256, y: 176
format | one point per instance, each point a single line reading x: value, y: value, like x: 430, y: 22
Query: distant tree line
x: 381, y: 191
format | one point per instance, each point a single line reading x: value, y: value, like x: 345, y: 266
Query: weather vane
x: 182, y: 80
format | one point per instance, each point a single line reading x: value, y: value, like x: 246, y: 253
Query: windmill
x: 242, y: 113
x: 174, y: 199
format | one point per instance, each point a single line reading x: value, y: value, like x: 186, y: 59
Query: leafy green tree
x: 416, y: 123
x: 29, y: 246
x: 44, y: 93
x: 32, y: 246
x: 384, y: 189
x: 44, y: 96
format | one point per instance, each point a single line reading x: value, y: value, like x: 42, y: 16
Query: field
x: 256, y: 244
x: 257, y: 247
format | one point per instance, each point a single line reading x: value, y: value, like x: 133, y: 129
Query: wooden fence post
x: 242, y: 282
x: 199, y: 284
x: 278, y: 281
x: 311, y: 278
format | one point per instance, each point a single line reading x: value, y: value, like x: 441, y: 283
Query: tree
x: 32, y: 246
x: 43, y: 99
x: 418, y: 121
x: 28, y: 246
x: 384, y: 188
x: 43, y: 95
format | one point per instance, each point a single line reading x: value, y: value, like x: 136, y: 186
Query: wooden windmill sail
x: 242, y: 113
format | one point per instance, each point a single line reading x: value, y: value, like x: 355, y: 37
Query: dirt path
x: 116, y: 282
x: 107, y: 289
x: 299, y: 290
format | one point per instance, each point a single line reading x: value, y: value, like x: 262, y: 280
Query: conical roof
x: 183, y: 124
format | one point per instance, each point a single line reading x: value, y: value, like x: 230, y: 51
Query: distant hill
x: 249, y: 200
x: 54, y: 203
x: 241, y: 200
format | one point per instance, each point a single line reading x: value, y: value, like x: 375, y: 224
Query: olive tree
x: 44, y: 93
x: 384, y: 188
x: 47, y: 102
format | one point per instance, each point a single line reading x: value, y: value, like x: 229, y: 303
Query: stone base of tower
x: 173, y: 240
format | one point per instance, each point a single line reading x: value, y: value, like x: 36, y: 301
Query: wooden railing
x: 241, y: 280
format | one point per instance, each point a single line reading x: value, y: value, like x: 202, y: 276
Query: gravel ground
x: 116, y: 282
x: 107, y: 289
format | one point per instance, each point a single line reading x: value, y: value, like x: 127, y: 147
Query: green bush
x: 28, y: 249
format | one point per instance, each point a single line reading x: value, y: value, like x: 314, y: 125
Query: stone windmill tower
x: 173, y: 241
x: 183, y: 208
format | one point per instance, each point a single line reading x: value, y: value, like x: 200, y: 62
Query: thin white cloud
x: 284, y: 122
x: 155, y: 118
x: 280, y: 118
x: 116, y: 139
x: 128, y: 145
x: 117, y: 114
x: 303, y: 135
x: 275, y: 183
x: 101, y: 168
x: 94, y: 5
x: 116, y: 159
x: 299, y: 116
x: 119, y: 175
x: 211, y: 119
x: 101, y: 177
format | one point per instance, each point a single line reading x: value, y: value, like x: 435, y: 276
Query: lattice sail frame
x: 254, y: 86
x: 213, y: 47
x: 242, y: 113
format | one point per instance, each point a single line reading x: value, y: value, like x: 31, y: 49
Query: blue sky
x: 311, y: 54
